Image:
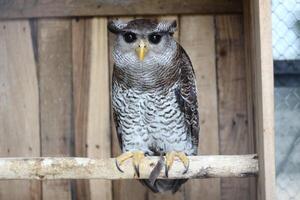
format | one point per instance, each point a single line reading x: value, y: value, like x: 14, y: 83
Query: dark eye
x: 154, y: 38
x: 129, y: 37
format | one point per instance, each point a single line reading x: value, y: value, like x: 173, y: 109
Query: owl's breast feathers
x: 178, y: 80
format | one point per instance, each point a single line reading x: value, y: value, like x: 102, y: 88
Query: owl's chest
x: 149, y: 112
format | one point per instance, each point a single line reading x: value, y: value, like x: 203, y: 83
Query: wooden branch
x: 59, y: 8
x: 86, y: 168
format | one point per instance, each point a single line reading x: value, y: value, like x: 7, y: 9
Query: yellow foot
x: 170, y: 159
x: 136, y: 156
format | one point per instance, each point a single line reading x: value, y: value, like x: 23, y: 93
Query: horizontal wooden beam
x: 86, y: 168
x: 65, y: 8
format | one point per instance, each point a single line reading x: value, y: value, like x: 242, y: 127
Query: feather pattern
x: 155, y: 102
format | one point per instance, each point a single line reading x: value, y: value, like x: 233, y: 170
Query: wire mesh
x: 286, y: 52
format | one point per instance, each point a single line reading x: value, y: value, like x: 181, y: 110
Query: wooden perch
x: 86, y: 168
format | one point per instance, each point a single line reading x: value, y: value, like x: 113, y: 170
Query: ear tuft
x: 167, y: 26
x: 173, y: 26
x: 116, y: 26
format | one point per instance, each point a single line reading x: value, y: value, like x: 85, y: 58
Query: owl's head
x: 143, y: 41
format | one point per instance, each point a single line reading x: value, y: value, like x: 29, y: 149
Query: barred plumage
x: 154, y: 100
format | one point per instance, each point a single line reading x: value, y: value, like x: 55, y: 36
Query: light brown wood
x: 98, y: 127
x: 55, y: 84
x: 43, y: 168
x: 81, y: 79
x: 19, y: 110
x: 197, y: 36
x: 20, y: 9
x: 233, y: 119
x: 258, y: 24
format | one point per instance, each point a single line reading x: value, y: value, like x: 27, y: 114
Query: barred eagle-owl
x: 154, y: 96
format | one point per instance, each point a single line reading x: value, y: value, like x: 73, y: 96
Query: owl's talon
x: 136, y: 156
x: 167, y: 171
x: 170, y: 159
x: 118, y: 166
x: 186, y: 169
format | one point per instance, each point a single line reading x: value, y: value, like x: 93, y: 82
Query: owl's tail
x: 164, y: 185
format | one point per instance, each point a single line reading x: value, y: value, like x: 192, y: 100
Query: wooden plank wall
x: 13, y: 9
x: 55, y: 85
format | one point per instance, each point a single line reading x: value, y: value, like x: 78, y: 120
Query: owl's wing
x: 186, y: 95
x: 118, y: 127
x: 116, y: 115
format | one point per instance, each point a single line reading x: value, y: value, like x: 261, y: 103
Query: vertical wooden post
x: 19, y: 104
x: 81, y: 80
x: 197, y: 36
x: 258, y: 39
x: 98, y: 126
x: 55, y: 85
x: 232, y: 92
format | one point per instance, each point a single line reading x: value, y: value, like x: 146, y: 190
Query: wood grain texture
x: 98, y: 127
x: 19, y: 104
x: 257, y: 19
x: 81, y: 81
x: 43, y: 168
x: 25, y: 9
x: 55, y: 84
x: 197, y: 36
x: 233, y: 119
x: 250, y: 92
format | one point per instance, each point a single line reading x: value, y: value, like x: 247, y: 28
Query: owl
x: 154, y: 97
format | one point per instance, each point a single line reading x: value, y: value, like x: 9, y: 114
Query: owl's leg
x: 170, y: 159
x: 137, y: 157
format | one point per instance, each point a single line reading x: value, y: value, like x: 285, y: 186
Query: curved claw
x: 122, y: 158
x: 184, y: 159
x: 136, y: 156
x: 118, y: 166
x: 186, y: 168
x: 167, y: 171
x: 170, y: 159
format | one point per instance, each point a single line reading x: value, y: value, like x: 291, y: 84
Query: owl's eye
x: 129, y: 37
x: 154, y: 38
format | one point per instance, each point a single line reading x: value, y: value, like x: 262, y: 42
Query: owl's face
x: 143, y: 43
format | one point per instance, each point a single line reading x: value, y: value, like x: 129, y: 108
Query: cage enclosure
x: 55, y: 70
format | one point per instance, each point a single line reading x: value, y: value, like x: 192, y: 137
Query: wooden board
x: 257, y: 20
x: 197, y: 36
x: 250, y: 94
x: 19, y: 104
x: 98, y: 127
x: 22, y: 9
x: 55, y: 84
x: 233, y: 118
x: 81, y: 80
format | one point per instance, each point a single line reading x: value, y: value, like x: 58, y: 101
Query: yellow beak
x: 141, y: 50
